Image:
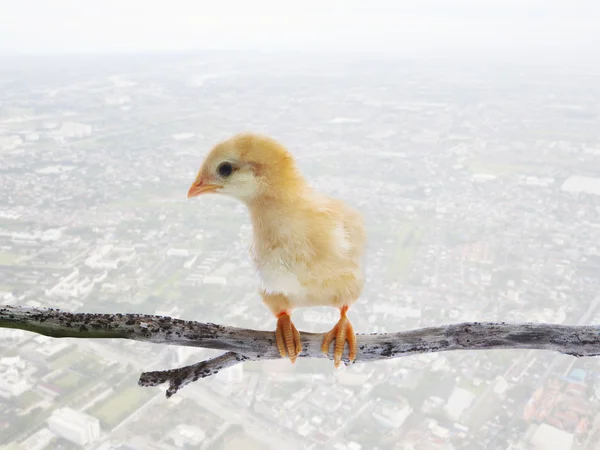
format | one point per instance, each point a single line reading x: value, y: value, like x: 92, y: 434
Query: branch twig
x: 178, y: 378
x: 243, y: 344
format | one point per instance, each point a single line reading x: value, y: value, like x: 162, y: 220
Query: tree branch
x: 178, y: 378
x: 243, y: 344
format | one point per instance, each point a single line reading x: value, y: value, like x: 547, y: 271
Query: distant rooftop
x: 577, y: 183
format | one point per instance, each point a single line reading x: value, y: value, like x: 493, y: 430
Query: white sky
x: 50, y: 26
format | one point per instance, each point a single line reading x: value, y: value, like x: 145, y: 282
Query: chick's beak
x: 199, y: 187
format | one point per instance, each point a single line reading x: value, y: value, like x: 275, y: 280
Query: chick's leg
x: 286, y: 334
x: 341, y: 332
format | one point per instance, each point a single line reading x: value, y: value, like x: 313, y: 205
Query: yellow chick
x: 307, y: 247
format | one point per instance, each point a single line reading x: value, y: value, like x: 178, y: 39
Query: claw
x: 288, y: 338
x: 341, y: 332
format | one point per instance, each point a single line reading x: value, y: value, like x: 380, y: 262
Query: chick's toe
x: 288, y: 338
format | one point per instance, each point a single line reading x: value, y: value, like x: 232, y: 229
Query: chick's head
x: 246, y: 166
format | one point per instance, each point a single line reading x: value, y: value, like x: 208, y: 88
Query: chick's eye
x: 225, y: 169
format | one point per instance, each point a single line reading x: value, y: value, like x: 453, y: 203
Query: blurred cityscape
x: 480, y: 186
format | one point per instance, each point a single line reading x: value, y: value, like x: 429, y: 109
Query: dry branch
x: 251, y: 345
x: 178, y: 378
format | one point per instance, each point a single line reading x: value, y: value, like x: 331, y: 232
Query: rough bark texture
x: 243, y: 344
x: 178, y: 378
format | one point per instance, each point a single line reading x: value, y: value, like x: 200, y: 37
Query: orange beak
x: 198, y: 188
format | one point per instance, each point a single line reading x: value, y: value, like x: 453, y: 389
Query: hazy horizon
x: 67, y: 26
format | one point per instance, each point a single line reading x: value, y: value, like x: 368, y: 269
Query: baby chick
x: 306, y: 247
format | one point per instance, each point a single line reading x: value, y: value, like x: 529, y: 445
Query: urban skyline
x: 479, y: 186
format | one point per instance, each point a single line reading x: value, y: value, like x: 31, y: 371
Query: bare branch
x: 244, y: 344
x: 178, y: 378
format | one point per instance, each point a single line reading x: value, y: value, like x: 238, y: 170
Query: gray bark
x: 244, y: 344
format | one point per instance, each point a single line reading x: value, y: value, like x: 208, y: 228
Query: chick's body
x: 307, y: 247
x: 309, y: 250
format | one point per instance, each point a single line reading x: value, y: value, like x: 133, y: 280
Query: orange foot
x: 287, y: 337
x: 341, y: 332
